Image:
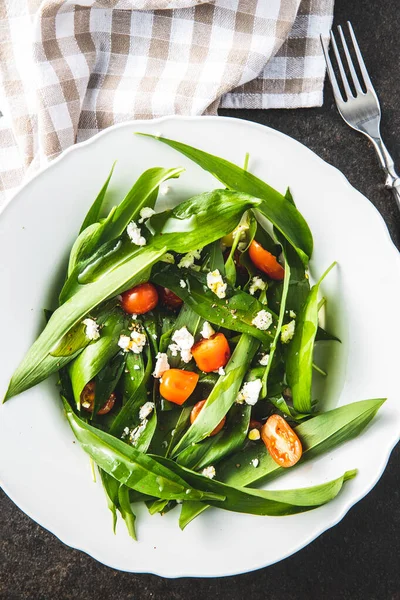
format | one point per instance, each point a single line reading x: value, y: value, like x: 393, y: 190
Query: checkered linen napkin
x: 70, y: 68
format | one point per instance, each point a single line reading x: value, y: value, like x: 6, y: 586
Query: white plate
x: 48, y: 476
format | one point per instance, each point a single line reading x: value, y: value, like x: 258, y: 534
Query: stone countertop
x: 359, y: 558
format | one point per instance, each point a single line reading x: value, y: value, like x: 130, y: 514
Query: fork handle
x: 392, y: 179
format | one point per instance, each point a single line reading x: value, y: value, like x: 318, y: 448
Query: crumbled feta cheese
x: 162, y: 365
x: 257, y: 284
x: 168, y: 258
x: 250, y: 392
x: 146, y: 213
x: 292, y: 314
x: 136, y: 367
x: 184, y: 340
x: 134, y: 343
x: 264, y: 360
x: 137, y: 432
x: 262, y: 320
x: 255, y: 462
x: 92, y: 331
x: 154, y: 336
x: 209, y: 472
x: 216, y: 283
x: 254, y: 434
x: 135, y: 234
x: 182, y: 283
x: 187, y: 261
x: 174, y: 349
x: 133, y: 317
x: 221, y: 371
x: 287, y: 332
x: 138, y: 340
x: 125, y: 432
x: 124, y: 342
x: 207, y: 331
x: 146, y: 410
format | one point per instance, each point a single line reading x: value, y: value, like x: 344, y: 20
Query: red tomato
x: 255, y: 425
x: 169, y: 299
x: 281, y: 441
x: 140, y: 299
x: 265, y: 261
x: 87, y: 399
x: 211, y: 354
x: 177, y: 385
x: 195, y: 413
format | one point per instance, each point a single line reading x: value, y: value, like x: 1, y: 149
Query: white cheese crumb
x: 187, y: 261
x: 135, y: 343
x: 257, y: 284
x: 250, y: 392
x: 137, y: 432
x: 287, y: 332
x: 146, y: 410
x: 216, y: 283
x: 221, y: 371
x: 168, y: 258
x: 162, y: 365
x: 135, y: 234
x: 262, y: 320
x: 154, y: 336
x: 209, y: 472
x: 136, y: 367
x: 146, y: 213
x: 255, y: 462
x: 264, y: 360
x: 292, y: 314
x: 207, y: 330
x: 184, y: 340
x: 133, y: 317
x: 174, y: 349
x: 182, y: 283
x: 125, y: 433
x: 92, y: 331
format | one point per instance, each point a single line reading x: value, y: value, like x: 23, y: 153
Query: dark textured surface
x: 359, y: 558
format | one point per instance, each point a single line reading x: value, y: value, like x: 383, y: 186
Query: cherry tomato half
x: 281, y: 441
x: 195, y: 413
x: 177, y: 385
x: 265, y: 261
x: 87, y: 399
x: 211, y: 354
x: 169, y: 299
x: 140, y: 299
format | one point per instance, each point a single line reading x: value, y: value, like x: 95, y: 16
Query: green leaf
x: 261, y: 502
x: 131, y: 467
x: 202, y: 220
x: 235, y: 312
x: 142, y: 194
x: 107, y: 380
x: 36, y: 365
x: 84, y: 245
x: 282, y: 309
x: 213, y: 449
x: 126, y: 510
x: 318, y: 435
x: 222, y: 396
x: 93, y: 216
x: 301, y: 348
x: 275, y: 207
x: 97, y: 354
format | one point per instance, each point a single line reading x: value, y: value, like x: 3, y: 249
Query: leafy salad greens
x: 184, y: 346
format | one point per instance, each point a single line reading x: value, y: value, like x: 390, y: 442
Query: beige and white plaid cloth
x: 70, y: 68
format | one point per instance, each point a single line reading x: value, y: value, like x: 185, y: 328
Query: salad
x: 184, y: 346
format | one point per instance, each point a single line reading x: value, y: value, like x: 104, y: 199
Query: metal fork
x: 362, y: 110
